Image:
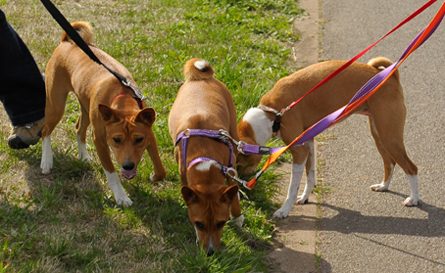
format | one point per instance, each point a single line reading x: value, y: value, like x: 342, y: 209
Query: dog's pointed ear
x: 146, y: 115
x: 189, y: 195
x: 108, y: 114
x: 229, y: 194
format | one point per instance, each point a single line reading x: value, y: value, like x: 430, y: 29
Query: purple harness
x: 220, y: 135
x: 224, y: 137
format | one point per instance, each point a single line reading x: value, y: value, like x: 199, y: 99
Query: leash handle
x: 72, y: 33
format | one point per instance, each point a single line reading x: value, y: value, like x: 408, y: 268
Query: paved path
x: 365, y: 231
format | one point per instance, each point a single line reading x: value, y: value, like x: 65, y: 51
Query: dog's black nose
x: 128, y: 165
x: 210, y: 252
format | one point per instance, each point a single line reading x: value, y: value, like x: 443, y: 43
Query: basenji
x: 204, y: 103
x: 115, y: 115
x: 386, y: 111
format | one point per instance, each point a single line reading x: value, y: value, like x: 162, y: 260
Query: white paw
x: 152, y: 177
x: 380, y: 187
x: 83, y: 151
x: 46, y: 164
x: 410, y: 201
x: 116, y: 187
x: 85, y: 157
x: 302, y: 199
x: 47, y: 157
x: 46, y: 167
x: 123, y: 200
x: 281, y: 213
x: 238, y: 221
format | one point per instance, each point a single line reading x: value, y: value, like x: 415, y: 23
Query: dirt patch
x: 295, y: 239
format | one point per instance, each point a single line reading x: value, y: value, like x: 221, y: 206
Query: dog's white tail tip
x: 201, y: 64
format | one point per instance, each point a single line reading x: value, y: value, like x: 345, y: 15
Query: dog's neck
x: 140, y: 102
x: 261, y: 125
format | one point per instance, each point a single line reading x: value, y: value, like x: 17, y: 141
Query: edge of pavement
x: 294, y: 242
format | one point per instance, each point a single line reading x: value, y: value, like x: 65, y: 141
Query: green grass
x: 68, y: 221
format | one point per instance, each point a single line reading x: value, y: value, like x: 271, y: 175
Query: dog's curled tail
x: 381, y: 63
x: 197, y: 70
x: 85, y: 31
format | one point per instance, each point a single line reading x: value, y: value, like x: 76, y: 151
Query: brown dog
x: 204, y: 104
x: 115, y: 116
x: 386, y: 110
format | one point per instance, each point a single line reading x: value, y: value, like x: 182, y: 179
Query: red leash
x: 333, y: 74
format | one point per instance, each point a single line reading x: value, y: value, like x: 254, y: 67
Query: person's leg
x: 23, y: 88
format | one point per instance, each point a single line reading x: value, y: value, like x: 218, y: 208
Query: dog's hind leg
x: 56, y: 95
x: 390, y: 133
x: 81, y: 126
x: 388, y: 162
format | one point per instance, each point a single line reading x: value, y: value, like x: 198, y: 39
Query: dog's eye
x: 220, y: 224
x: 117, y: 140
x: 139, y: 140
x: 199, y: 225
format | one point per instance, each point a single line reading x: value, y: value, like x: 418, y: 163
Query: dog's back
x: 202, y: 101
x: 67, y: 51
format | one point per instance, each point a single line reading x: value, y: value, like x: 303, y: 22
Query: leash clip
x: 138, y: 93
x: 233, y: 174
x: 240, y: 146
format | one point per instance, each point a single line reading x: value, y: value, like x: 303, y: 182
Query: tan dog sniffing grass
x: 115, y: 115
x: 386, y: 111
x: 205, y: 104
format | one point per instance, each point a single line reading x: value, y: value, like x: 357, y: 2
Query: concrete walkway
x: 361, y: 230
x: 365, y: 231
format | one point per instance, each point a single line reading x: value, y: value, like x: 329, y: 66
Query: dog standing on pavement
x: 117, y: 120
x: 203, y: 103
x: 386, y: 111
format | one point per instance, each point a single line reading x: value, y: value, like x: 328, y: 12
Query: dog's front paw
x: 83, y: 151
x: 124, y: 201
x: 411, y: 201
x: 238, y: 221
x: 380, y: 187
x: 84, y: 156
x: 156, y: 178
x: 281, y: 213
x: 46, y: 166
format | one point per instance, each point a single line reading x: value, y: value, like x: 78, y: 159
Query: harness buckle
x: 225, y: 134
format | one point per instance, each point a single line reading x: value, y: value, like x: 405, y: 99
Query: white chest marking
x: 261, y: 125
